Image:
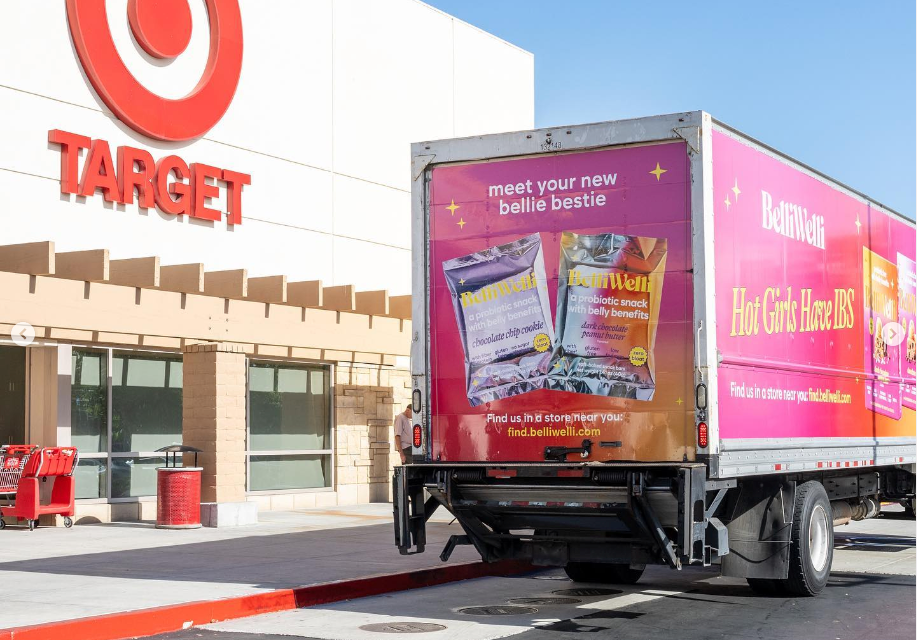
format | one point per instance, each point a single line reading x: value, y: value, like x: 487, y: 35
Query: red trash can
x: 178, y: 492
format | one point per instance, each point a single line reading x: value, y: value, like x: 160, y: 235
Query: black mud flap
x: 759, y: 528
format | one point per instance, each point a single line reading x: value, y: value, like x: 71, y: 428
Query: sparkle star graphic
x: 452, y: 207
x: 461, y: 223
x: 475, y: 382
x: 462, y: 281
x: 736, y: 190
x: 858, y: 224
x: 679, y: 402
x: 658, y: 171
x: 727, y: 202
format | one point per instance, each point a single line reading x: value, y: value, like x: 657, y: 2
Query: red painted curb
x: 147, y: 622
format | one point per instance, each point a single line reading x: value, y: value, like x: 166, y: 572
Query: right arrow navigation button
x: 893, y: 334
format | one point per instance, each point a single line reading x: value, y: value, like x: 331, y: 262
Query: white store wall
x: 332, y: 93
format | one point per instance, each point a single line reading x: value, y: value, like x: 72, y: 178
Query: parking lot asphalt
x: 870, y: 595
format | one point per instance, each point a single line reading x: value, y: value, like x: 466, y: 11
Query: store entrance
x: 12, y: 395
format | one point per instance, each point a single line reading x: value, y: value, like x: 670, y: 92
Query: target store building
x: 205, y: 234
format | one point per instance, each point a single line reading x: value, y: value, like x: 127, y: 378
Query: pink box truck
x: 654, y: 341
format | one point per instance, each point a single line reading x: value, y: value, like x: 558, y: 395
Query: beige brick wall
x: 366, y: 399
x: 213, y: 417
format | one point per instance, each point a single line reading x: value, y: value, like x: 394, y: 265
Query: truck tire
x: 811, y: 542
x: 602, y: 573
x: 763, y: 586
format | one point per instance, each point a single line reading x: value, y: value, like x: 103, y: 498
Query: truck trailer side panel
x: 814, y: 320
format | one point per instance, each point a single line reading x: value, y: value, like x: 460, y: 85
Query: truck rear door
x: 560, y: 306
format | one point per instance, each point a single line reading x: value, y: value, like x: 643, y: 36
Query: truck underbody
x: 630, y: 514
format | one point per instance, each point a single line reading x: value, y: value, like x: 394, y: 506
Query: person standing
x: 403, y: 431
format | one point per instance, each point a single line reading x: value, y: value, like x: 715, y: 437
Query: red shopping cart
x: 22, y: 469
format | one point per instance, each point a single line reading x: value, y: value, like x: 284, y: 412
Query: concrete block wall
x: 213, y: 417
x: 115, y: 512
x: 366, y: 400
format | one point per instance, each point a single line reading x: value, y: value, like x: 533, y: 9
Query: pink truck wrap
x: 654, y: 340
x: 812, y: 329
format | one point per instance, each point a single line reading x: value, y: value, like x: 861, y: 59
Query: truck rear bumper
x: 555, y: 514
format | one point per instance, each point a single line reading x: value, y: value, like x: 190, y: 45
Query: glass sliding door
x: 89, y: 401
x: 89, y: 421
x: 12, y: 395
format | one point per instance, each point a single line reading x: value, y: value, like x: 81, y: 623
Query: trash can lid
x: 179, y: 448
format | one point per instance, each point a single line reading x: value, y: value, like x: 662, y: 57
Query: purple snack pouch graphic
x: 880, y: 307
x: 501, y: 307
x: 907, y: 318
x: 608, y: 297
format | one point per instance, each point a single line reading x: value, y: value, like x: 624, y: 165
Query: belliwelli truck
x: 654, y: 341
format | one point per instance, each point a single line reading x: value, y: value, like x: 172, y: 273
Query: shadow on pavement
x: 688, y: 604
x: 267, y: 561
x: 873, y: 542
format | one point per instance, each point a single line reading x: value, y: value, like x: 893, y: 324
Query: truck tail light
x: 418, y: 440
x: 702, y: 435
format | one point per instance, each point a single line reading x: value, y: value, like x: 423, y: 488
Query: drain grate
x: 544, y: 601
x: 587, y: 592
x: 499, y: 610
x: 403, y: 627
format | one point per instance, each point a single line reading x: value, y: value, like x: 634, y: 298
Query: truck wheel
x: 622, y: 573
x: 602, y: 573
x: 580, y: 571
x: 763, y: 586
x: 812, y: 541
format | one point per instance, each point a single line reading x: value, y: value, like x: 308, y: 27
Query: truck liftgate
x: 554, y: 515
x: 595, y: 520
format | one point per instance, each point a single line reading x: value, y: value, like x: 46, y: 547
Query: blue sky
x: 831, y: 84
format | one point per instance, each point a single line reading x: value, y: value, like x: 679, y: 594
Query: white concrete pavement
x: 883, y: 545
x: 53, y: 574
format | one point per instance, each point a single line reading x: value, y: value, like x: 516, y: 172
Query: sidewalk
x: 54, y: 574
x: 57, y: 574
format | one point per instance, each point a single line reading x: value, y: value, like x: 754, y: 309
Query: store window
x: 120, y: 418
x: 89, y: 421
x: 89, y: 402
x: 146, y: 398
x: 289, y: 426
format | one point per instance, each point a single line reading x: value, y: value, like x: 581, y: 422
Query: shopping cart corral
x: 23, y: 468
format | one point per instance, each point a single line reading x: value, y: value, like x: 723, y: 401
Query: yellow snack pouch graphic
x: 609, y: 292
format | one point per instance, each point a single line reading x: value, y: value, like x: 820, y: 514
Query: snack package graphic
x: 501, y: 307
x: 883, y: 393
x: 907, y: 318
x: 609, y: 292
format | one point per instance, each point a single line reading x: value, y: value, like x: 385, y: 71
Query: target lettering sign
x: 162, y: 29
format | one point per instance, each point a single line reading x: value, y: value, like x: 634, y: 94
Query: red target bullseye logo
x: 162, y: 28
